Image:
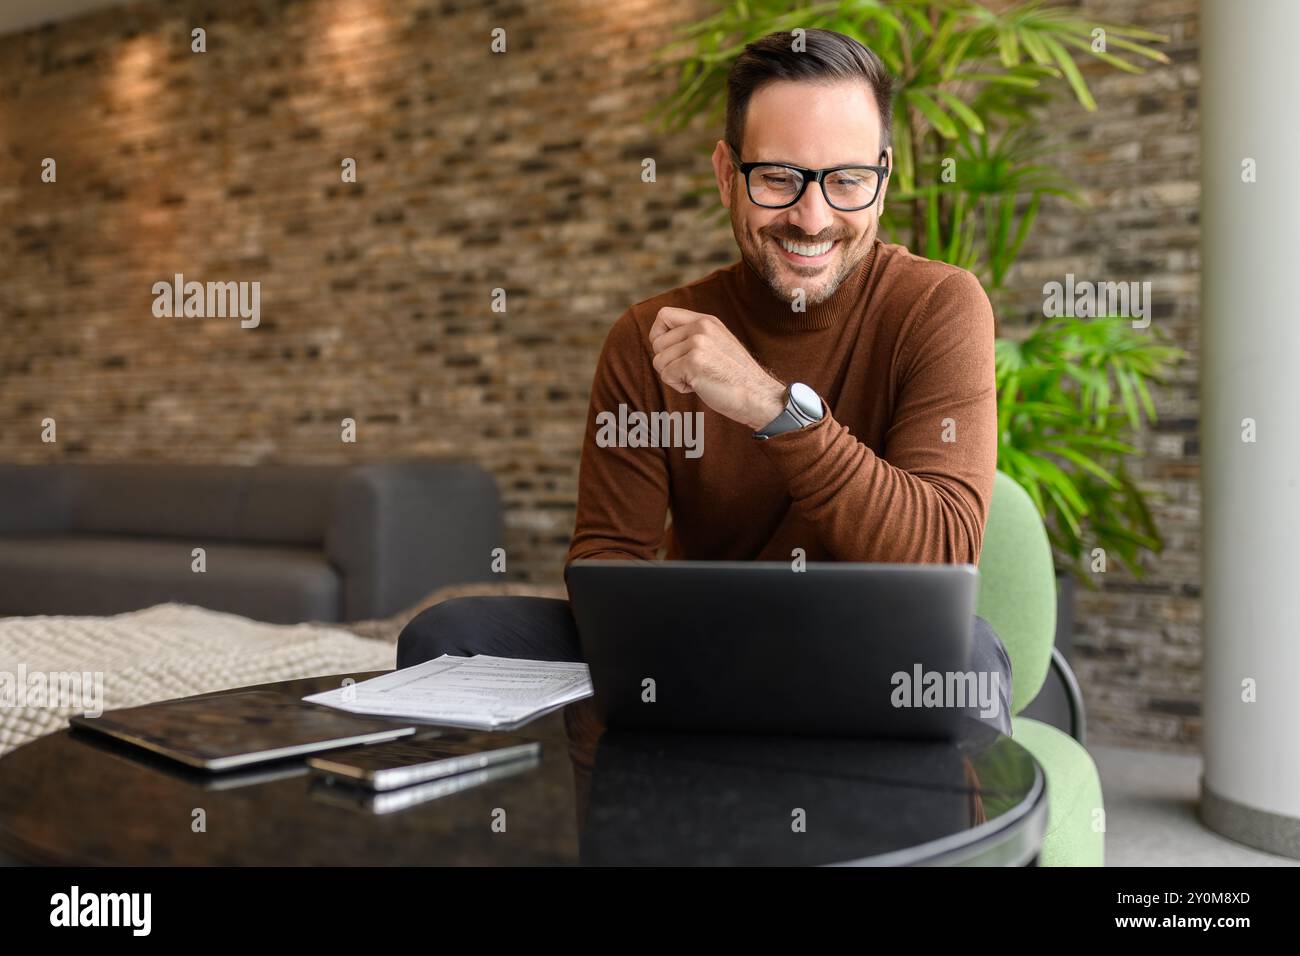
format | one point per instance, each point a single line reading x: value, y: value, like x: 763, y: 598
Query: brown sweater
x: 900, y: 469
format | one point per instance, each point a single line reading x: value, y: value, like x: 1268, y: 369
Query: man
x: 845, y: 386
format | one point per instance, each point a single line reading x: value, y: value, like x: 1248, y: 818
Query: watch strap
x: 792, y: 418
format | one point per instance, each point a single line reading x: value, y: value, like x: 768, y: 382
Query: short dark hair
x: 827, y: 57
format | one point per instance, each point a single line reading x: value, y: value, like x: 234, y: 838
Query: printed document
x: 477, y: 693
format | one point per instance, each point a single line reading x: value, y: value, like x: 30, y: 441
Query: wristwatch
x: 803, y: 407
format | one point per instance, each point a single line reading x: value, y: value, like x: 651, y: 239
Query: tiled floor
x: 1151, y: 813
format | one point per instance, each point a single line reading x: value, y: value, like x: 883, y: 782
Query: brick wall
x: 476, y: 171
x: 1137, y: 644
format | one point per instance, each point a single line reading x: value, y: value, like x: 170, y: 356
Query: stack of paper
x: 478, y: 693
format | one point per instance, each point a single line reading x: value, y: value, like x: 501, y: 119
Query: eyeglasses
x: 778, y: 185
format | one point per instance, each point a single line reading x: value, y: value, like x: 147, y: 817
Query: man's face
x: 816, y: 126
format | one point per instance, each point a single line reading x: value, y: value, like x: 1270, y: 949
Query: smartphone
x: 401, y: 763
x: 332, y: 790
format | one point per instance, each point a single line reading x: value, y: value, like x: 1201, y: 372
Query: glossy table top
x: 632, y: 799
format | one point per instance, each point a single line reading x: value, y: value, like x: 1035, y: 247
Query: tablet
x: 224, y: 731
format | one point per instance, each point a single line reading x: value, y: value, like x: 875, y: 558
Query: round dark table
x: 76, y: 798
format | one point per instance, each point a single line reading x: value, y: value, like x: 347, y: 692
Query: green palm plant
x: 981, y: 220
x: 1070, y: 396
x: 970, y: 175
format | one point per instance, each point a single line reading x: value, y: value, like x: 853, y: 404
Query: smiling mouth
x: 807, y: 253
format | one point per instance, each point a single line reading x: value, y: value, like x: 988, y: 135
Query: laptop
x: 837, y: 649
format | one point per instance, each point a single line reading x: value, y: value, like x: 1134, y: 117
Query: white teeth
x: 803, y: 249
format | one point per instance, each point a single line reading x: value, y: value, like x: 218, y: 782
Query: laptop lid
x: 756, y: 647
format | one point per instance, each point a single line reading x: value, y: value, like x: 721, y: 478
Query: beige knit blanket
x: 53, y: 667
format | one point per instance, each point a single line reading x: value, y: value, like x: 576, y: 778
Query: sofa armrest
x: 399, y: 530
x: 36, y: 500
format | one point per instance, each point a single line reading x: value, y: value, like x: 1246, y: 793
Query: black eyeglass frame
x: 811, y: 176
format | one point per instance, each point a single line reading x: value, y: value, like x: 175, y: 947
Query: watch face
x: 806, y: 400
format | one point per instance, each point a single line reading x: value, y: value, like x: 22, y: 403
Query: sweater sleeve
x: 925, y: 499
x: 622, y: 492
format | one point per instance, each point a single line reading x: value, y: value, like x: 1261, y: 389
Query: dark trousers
x: 543, y: 629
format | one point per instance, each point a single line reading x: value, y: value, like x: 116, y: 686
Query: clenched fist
x: 694, y: 352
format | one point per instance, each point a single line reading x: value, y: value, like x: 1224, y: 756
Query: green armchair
x: 1017, y: 596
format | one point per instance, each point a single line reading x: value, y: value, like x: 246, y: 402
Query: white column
x: 1250, y: 370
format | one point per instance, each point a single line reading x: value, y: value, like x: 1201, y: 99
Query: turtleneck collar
x: 761, y: 305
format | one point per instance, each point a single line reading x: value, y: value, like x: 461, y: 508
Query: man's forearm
x: 865, y: 509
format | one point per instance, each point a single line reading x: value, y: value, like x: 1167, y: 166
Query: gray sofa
x: 283, y: 543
